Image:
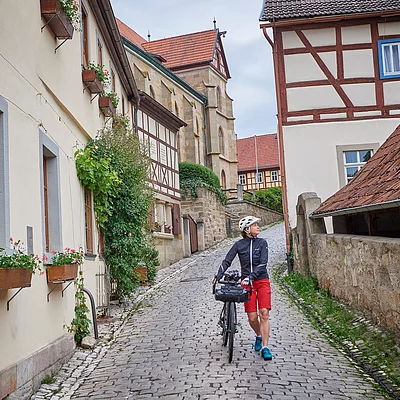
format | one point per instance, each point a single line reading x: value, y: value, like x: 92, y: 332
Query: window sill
x: 90, y: 256
x: 162, y: 235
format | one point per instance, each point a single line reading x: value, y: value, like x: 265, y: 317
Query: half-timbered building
x: 337, y: 72
x: 158, y: 130
x: 258, y: 162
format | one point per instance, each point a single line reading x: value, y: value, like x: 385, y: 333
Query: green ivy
x: 95, y: 172
x: 128, y: 242
x: 192, y: 176
x: 80, y: 324
x: 115, y: 167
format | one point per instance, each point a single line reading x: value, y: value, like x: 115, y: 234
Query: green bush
x: 192, y: 176
x: 270, y: 198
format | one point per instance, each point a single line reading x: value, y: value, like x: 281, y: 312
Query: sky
x: 248, y: 53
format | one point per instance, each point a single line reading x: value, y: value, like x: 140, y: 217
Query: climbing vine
x: 80, y: 324
x: 96, y: 173
x: 115, y: 166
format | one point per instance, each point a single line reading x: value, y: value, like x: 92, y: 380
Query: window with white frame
x: 242, y: 179
x: 259, y: 177
x: 353, y: 161
x: 389, y: 58
x: 274, y: 176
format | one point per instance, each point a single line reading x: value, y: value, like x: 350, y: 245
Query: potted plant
x: 108, y: 103
x: 140, y: 273
x: 95, y: 77
x: 64, y: 265
x: 62, y: 16
x: 167, y: 228
x: 17, y: 267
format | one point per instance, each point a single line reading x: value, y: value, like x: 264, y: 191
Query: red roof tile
x: 378, y: 181
x: 179, y: 51
x: 274, y: 10
x: 130, y: 34
x: 267, y: 152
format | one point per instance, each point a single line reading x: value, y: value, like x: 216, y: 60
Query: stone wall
x: 241, y: 208
x: 363, y: 271
x: 206, y: 209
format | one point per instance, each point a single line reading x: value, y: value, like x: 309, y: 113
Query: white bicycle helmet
x: 247, y: 221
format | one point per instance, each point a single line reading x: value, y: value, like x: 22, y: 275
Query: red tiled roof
x: 130, y: 34
x: 378, y: 181
x: 179, y: 51
x: 282, y: 9
x: 267, y: 152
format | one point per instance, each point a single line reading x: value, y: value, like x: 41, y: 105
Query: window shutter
x: 176, y: 219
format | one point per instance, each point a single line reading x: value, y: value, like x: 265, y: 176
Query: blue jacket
x: 254, y: 267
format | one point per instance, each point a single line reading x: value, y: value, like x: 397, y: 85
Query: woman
x: 253, y: 257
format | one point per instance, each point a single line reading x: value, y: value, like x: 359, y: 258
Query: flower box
x: 60, y: 273
x: 54, y: 15
x: 106, y: 106
x: 11, y: 278
x: 91, y: 81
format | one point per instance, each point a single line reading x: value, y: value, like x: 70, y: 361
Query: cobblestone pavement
x: 170, y: 347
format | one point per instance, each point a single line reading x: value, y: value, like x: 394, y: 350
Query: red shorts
x: 261, y: 296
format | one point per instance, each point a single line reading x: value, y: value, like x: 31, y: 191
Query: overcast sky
x: 248, y: 53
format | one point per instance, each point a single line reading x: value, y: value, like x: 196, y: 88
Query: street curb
x: 352, y: 351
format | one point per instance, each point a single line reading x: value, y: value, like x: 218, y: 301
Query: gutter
x: 105, y: 19
x: 357, y: 210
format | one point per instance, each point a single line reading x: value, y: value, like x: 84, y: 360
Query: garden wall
x: 208, y: 210
x: 361, y: 271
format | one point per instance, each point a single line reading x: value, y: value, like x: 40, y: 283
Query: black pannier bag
x: 232, y: 293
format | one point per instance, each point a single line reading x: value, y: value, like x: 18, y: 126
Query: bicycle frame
x: 228, y: 319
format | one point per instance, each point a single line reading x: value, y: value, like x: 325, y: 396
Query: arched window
x: 221, y: 141
x: 223, y: 179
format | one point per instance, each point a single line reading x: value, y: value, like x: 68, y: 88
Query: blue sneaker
x: 266, y: 354
x: 258, y: 343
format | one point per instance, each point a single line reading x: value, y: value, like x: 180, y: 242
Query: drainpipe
x: 281, y: 149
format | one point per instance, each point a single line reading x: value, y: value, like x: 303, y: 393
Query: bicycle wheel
x: 231, y: 328
x: 225, y: 324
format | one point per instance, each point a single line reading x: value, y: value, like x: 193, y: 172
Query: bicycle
x: 231, y: 292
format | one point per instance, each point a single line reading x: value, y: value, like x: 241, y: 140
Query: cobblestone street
x: 170, y: 348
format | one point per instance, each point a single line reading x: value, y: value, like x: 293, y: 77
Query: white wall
x: 311, y: 158
x: 44, y: 91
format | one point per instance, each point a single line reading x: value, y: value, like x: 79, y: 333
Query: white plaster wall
x: 389, y: 28
x: 316, y: 97
x: 302, y: 67
x: 391, y: 92
x: 356, y: 34
x: 362, y: 94
x: 291, y: 40
x: 358, y: 63
x: 310, y: 154
x: 329, y: 58
x: 321, y: 37
x: 44, y: 90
